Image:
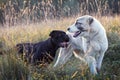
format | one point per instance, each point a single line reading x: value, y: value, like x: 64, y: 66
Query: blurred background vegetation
x: 14, y: 12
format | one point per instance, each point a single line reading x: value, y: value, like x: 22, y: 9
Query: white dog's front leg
x: 88, y: 60
x: 99, y: 60
x: 92, y: 64
x: 64, y: 55
x: 59, y: 57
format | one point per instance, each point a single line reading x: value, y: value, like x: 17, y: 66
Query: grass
x: 13, y: 68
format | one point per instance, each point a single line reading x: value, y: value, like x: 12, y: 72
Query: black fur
x: 44, y: 51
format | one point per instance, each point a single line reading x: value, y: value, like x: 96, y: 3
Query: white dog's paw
x: 93, y: 69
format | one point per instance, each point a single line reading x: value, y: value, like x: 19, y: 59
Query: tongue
x: 76, y: 34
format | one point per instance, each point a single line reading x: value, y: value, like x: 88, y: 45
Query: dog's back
x: 25, y: 47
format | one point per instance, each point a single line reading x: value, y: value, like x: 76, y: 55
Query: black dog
x: 44, y: 51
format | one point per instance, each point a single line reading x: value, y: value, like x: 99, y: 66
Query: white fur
x: 92, y: 42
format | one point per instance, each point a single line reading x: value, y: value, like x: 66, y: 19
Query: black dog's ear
x: 90, y: 20
x: 52, y: 34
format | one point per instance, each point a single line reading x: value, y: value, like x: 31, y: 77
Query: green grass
x: 13, y: 68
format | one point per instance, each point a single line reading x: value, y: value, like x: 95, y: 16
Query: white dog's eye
x: 78, y: 23
x: 80, y: 28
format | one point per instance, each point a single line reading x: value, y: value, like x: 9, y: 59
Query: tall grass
x: 13, y: 68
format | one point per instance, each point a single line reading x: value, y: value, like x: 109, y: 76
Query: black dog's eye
x: 61, y: 35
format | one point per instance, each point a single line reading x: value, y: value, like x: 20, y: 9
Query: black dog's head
x: 60, y: 38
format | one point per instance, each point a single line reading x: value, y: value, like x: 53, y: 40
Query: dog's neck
x: 92, y: 37
x: 53, y: 44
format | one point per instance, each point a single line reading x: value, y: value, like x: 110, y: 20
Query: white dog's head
x: 81, y: 26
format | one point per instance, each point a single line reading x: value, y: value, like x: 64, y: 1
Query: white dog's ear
x: 90, y: 20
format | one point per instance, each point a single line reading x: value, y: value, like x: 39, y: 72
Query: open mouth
x: 77, y: 34
x: 64, y: 44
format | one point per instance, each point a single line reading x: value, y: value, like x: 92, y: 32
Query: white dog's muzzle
x: 76, y: 32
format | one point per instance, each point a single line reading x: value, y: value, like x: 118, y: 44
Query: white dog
x: 88, y: 42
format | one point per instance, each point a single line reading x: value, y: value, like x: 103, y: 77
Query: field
x: 12, y: 67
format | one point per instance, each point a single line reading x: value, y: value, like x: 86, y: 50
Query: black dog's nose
x: 68, y: 29
x: 67, y: 38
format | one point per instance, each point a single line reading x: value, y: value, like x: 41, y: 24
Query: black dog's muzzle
x: 65, y: 43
